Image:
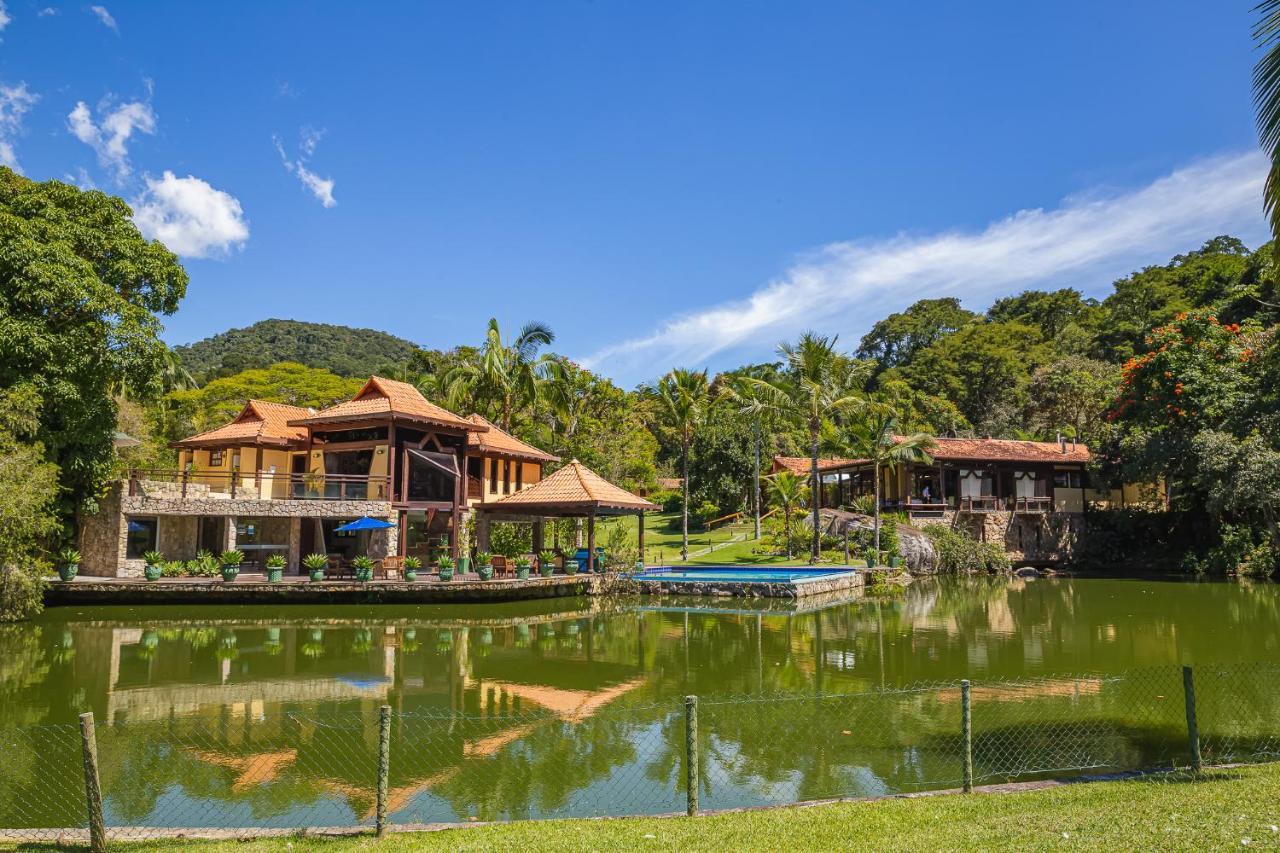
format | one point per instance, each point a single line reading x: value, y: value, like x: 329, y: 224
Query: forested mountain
x: 338, y: 349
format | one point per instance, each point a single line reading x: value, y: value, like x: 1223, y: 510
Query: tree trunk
x: 875, y: 510
x: 755, y: 482
x: 684, y: 509
x: 816, y: 495
x: 786, y: 527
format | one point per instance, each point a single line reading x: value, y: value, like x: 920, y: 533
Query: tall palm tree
x: 788, y: 490
x: 1266, y: 98
x: 506, y: 375
x: 817, y: 384
x: 685, y: 396
x: 745, y: 396
x: 873, y: 437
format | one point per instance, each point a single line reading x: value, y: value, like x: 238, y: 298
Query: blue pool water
x: 740, y: 574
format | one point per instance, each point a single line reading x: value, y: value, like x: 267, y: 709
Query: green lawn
x: 662, y: 543
x: 1222, y: 809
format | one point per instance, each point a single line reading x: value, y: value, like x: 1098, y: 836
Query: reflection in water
x: 243, y: 716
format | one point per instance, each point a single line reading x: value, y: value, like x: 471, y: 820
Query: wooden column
x: 640, y: 534
x: 537, y: 536
x: 392, y: 491
x: 591, y: 540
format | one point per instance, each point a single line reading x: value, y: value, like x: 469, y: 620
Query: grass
x: 662, y: 544
x: 1219, y: 809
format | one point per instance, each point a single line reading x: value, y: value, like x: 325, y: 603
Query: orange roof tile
x: 575, y: 486
x: 803, y: 464
x: 502, y: 443
x: 381, y: 396
x: 963, y: 450
x: 259, y: 422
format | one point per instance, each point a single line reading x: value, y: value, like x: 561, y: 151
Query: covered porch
x: 574, y: 491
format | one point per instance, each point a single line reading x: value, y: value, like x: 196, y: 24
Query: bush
x: 508, y: 539
x: 958, y: 553
x: 889, y: 544
x: 774, y: 538
x: 668, y: 499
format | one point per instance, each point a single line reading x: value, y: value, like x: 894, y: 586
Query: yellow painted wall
x: 1068, y: 500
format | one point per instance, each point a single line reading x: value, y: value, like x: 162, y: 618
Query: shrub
x: 315, y: 562
x: 276, y: 561
x: 412, y: 563
x: 960, y: 553
x: 889, y: 544
x: 153, y: 558
x: 232, y: 557
x: 668, y: 499
x: 69, y: 557
x: 205, y: 565
x: 171, y: 568
x: 774, y: 534
x: 510, y: 539
x: 483, y: 558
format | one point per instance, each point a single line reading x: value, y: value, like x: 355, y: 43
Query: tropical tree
x: 685, y: 397
x: 1266, y: 95
x: 874, y: 437
x: 745, y: 395
x: 788, y: 490
x: 507, y: 376
x: 817, y: 384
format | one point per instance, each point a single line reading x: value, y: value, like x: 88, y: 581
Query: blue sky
x: 663, y: 183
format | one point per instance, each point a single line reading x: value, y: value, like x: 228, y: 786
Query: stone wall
x: 176, y: 536
x: 1026, y: 537
x: 150, y: 505
x: 102, y: 537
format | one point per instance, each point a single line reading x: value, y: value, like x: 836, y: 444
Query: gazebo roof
x: 575, y: 488
x: 498, y: 442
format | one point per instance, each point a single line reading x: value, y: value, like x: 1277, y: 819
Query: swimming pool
x: 747, y: 581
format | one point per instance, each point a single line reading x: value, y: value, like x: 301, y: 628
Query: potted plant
x: 153, y: 565
x: 484, y: 565
x: 547, y: 563
x: 464, y: 545
x: 315, y: 564
x: 571, y: 566
x: 445, y: 565
x: 363, y: 568
x: 275, y: 568
x: 411, y: 566
x: 68, y: 563
x: 231, y: 561
x: 522, y: 567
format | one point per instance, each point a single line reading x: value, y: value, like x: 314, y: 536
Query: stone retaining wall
x: 1027, y: 537
x: 753, y: 589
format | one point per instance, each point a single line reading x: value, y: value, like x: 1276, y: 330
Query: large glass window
x: 142, y: 537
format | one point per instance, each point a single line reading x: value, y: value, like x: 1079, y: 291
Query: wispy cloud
x: 47, y: 12
x: 5, y: 17
x: 105, y: 17
x: 110, y: 136
x: 190, y: 217
x: 321, y: 188
x: 844, y: 287
x: 15, y: 102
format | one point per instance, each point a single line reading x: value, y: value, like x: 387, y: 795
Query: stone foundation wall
x: 102, y: 537
x: 149, y: 505
x: 1030, y: 537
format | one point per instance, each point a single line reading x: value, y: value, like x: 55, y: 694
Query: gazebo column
x: 640, y: 535
x: 537, y: 535
x: 591, y: 540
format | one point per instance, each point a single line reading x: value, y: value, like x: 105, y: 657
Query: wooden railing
x: 985, y: 503
x: 263, y: 485
x: 1043, y: 504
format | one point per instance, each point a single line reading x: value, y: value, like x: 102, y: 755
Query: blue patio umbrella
x: 364, y: 522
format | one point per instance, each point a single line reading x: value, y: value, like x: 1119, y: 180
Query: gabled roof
x: 499, y: 442
x: 381, y: 397
x: 259, y: 423
x: 573, y: 487
x: 802, y: 464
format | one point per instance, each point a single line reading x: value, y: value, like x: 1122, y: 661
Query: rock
x: 918, y: 553
x: 1026, y: 572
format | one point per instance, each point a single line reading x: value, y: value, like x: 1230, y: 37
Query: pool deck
x: 251, y: 588
x: 834, y: 581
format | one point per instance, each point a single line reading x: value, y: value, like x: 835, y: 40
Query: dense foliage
x: 337, y: 349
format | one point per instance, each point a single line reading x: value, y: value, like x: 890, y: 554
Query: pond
x: 244, y: 716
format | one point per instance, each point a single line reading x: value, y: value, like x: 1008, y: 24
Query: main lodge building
x: 280, y: 479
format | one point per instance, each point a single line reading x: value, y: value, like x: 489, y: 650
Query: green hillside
x: 339, y: 349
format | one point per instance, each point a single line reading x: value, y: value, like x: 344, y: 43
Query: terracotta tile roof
x: 259, y: 422
x: 575, y: 486
x: 670, y: 483
x: 963, y: 450
x: 502, y: 443
x: 802, y: 464
x: 1008, y: 450
x: 381, y: 396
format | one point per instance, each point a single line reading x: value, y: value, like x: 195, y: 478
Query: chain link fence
x: 253, y: 774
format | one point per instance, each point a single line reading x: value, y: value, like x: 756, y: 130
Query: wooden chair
x: 336, y: 568
x: 500, y: 566
x: 387, y: 565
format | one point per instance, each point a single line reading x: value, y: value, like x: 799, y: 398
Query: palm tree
x: 686, y: 397
x: 745, y: 395
x: 506, y: 375
x: 1266, y: 98
x: 788, y: 490
x: 817, y: 384
x: 873, y: 437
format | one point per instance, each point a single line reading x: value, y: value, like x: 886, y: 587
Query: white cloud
x: 47, y: 12
x: 105, y: 17
x: 5, y: 17
x: 110, y: 137
x: 845, y: 287
x: 190, y: 217
x: 15, y: 102
x: 321, y: 188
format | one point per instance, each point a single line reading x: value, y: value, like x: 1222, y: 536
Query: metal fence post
x: 384, y: 765
x: 1193, y: 730
x: 691, y: 754
x: 92, y: 787
x: 966, y: 729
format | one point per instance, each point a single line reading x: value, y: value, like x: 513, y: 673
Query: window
x: 493, y: 475
x: 142, y: 537
x: 519, y: 476
x: 215, y: 458
x: 1068, y: 479
x: 506, y: 477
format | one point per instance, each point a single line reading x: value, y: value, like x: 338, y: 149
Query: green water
x: 244, y: 716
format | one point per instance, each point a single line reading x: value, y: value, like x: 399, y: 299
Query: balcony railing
x: 1044, y: 504
x: 260, y: 485
x: 985, y: 503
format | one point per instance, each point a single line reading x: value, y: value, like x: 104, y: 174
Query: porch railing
x: 264, y: 485
x: 1041, y: 504
x: 985, y: 503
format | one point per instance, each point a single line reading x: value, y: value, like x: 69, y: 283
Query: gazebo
x: 574, y: 491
